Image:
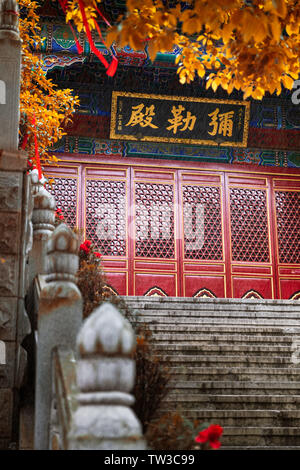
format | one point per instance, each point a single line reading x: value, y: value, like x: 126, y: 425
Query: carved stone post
x: 43, y: 218
x: 15, y: 226
x: 59, y: 320
x: 105, y: 376
x: 10, y: 68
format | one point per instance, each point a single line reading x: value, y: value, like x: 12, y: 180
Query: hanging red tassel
x: 89, y: 36
x: 36, y: 151
x: 111, y: 69
x: 114, y: 63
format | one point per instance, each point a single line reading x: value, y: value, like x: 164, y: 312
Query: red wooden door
x: 204, y: 231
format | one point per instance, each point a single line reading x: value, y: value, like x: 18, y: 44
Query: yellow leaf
x: 214, y: 85
x: 287, y: 82
x: 152, y: 50
x: 281, y: 8
x: 227, y: 32
x: 260, y: 32
x: 192, y: 25
x: 275, y: 28
x: 292, y: 28
x: 200, y: 70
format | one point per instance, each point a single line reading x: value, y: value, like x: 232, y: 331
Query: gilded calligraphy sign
x: 160, y: 118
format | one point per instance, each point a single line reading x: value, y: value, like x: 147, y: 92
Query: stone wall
x: 15, y: 229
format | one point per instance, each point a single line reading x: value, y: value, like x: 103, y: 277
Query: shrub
x: 172, y: 431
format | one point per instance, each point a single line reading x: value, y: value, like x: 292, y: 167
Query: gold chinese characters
x: 182, y: 120
x: 144, y: 119
x: 222, y: 123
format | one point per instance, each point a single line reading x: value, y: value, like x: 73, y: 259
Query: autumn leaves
x: 249, y: 46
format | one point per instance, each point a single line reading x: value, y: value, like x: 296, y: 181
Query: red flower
x: 98, y: 255
x: 84, y: 248
x: 211, y: 434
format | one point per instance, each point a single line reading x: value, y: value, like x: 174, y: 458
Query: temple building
x: 185, y: 192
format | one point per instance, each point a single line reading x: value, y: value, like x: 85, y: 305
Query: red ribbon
x: 36, y: 150
x: 111, y: 69
x: 114, y: 63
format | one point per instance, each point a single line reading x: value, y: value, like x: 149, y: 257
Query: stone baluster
x: 105, y: 376
x: 43, y: 219
x: 9, y: 17
x: 10, y: 68
x: 59, y: 320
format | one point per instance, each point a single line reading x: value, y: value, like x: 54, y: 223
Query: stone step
x: 235, y: 314
x: 221, y: 329
x: 247, y: 305
x: 222, y: 338
x: 236, y: 387
x: 251, y: 437
x: 231, y: 402
x: 202, y: 300
x: 258, y: 448
x: 233, y: 362
x: 247, y: 350
x: 236, y: 373
x: 242, y: 418
x: 228, y: 361
x: 229, y: 320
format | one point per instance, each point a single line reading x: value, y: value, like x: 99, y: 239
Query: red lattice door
x: 286, y: 200
x: 187, y: 231
x: 154, y: 240
x: 249, y: 239
x: 201, y: 223
x: 106, y: 222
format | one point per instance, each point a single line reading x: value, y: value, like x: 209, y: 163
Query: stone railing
x: 64, y: 397
x: 91, y: 400
x: 84, y: 371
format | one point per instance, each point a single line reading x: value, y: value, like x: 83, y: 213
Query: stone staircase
x: 234, y: 363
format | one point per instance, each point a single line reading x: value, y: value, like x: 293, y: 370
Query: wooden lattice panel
x: 65, y: 192
x: 288, y: 226
x: 154, y: 220
x: 202, y: 222
x: 106, y: 216
x: 249, y: 225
